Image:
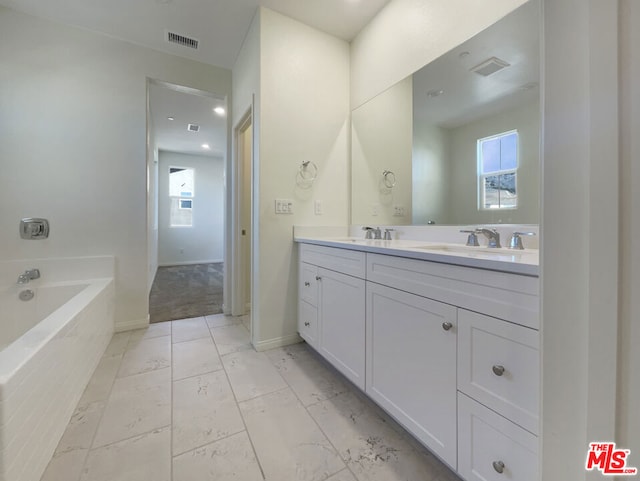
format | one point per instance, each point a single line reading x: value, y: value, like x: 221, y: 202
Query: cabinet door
x: 411, y: 364
x: 341, y: 319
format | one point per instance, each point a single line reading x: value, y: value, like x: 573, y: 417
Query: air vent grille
x: 490, y: 66
x: 182, y: 40
x: 193, y: 128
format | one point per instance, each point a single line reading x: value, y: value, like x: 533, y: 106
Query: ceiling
x: 468, y: 96
x: 219, y: 25
x: 187, y: 106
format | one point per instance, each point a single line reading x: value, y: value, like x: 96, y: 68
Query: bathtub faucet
x: 28, y: 275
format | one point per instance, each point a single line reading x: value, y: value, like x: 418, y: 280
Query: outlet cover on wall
x: 317, y: 207
x: 398, y: 211
x: 375, y: 209
x: 284, y: 206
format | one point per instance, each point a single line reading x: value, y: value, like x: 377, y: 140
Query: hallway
x: 186, y: 291
x: 192, y: 401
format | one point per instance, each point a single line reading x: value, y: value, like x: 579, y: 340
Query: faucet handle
x: 516, y: 240
x: 368, y: 232
x: 472, y: 239
x: 387, y: 234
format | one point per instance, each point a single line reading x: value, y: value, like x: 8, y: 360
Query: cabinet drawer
x: 339, y: 260
x: 486, y: 439
x: 499, y: 366
x: 308, y: 322
x: 506, y: 296
x: 308, y: 287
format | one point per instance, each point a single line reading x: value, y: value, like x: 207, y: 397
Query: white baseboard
x: 131, y: 325
x: 190, y: 263
x: 277, y: 342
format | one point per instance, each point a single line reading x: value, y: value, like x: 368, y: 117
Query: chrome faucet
x: 493, y: 236
x: 28, y: 275
x: 387, y: 234
x: 368, y: 232
x: 377, y: 233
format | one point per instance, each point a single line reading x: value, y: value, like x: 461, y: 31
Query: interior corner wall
x: 579, y: 245
x: 73, y: 145
x: 628, y: 423
x: 408, y: 34
x: 304, y: 116
x: 152, y: 204
x: 203, y: 242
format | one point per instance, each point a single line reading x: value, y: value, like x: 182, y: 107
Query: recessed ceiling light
x: 434, y: 93
x: 170, y: 118
x: 206, y: 146
x: 219, y: 110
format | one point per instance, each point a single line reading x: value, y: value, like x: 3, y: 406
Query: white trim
x: 190, y: 263
x: 277, y: 342
x: 131, y: 325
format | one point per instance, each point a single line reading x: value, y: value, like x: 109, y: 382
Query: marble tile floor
x: 191, y: 400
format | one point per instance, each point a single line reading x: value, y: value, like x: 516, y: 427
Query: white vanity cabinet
x: 331, y: 308
x: 411, y: 364
x: 452, y: 352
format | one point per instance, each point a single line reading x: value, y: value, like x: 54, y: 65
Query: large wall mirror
x: 458, y: 141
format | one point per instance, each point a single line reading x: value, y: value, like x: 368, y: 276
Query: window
x: 497, y: 171
x: 181, y: 182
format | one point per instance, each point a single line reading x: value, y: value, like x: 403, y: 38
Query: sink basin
x: 469, y: 250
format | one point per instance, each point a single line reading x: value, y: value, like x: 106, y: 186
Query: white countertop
x: 523, y: 262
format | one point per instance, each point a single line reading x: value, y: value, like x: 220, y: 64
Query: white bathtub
x: 50, y: 346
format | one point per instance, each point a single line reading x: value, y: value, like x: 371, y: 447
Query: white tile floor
x: 191, y: 400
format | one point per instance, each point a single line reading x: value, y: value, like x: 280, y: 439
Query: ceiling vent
x: 490, y: 66
x: 182, y: 40
x: 193, y: 128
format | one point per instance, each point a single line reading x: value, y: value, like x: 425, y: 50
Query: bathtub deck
x: 191, y: 400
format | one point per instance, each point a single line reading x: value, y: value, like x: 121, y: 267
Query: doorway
x: 187, y: 147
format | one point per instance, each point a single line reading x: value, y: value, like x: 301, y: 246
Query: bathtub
x: 49, y: 347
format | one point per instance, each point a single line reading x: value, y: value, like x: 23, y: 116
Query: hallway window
x: 497, y: 171
x: 181, y: 192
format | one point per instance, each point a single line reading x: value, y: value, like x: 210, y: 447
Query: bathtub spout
x: 28, y: 276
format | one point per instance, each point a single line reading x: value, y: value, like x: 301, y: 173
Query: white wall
x: 72, y: 145
x: 628, y: 425
x: 381, y: 137
x: 152, y: 204
x: 431, y: 173
x: 579, y: 258
x: 463, y: 159
x: 204, y: 241
x: 304, y: 115
x: 408, y: 34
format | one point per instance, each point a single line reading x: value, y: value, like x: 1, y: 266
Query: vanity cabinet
x: 452, y: 352
x: 411, y: 364
x: 331, y: 308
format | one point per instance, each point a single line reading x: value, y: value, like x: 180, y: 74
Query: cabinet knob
x: 498, y: 370
x: 307, y: 324
x: 318, y: 278
x: 307, y: 284
x: 498, y: 466
x: 446, y: 326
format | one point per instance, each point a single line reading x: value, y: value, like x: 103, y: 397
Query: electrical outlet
x: 317, y: 207
x: 375, y: 209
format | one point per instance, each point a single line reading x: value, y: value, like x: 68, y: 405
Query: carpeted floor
x: 181, y: 292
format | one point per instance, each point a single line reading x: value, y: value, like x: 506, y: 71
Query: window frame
x: 481, y: 175
x: 181, y: 197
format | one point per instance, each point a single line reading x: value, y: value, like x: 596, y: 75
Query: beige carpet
x: 181, y: 292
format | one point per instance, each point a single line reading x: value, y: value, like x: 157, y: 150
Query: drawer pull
x: 307, y: 324
x: 498, y: 466
x: 498, y: 370
x: 318, y: 278
x: 307, y: 284
x: 446, y: 326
